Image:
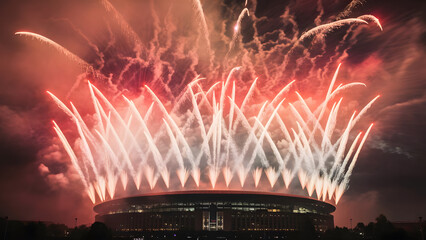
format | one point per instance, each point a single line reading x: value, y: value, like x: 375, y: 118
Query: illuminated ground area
x: 215, y: 211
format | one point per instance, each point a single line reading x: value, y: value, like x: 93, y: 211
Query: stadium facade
x: 228, y: 211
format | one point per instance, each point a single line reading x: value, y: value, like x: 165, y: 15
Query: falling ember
x: 236, y: 27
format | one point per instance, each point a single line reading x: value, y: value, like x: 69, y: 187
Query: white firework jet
x: 159, y: 144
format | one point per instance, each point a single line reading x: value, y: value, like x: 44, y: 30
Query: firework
x: 135, y: 144
x: 209, y: 139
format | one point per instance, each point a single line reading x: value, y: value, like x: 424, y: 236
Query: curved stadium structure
x: 215, y: 211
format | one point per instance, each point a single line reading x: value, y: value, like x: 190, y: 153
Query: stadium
x: 214, y: 211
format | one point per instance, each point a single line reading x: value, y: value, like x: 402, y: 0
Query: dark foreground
x: 382, y: 229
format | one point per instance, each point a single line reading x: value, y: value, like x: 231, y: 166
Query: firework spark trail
x: 203, y: 23
x: 58, y: 47
x: 330, y: 125
x: 110, y: 170
x: 169, y: 118
x: 231, y: 117
x: 331, y: 151
x: 326, y: 133
x: 153, y: 49
x: 263, y: 134
x: 328, y: 27
x: 317, y: 149
x: 331, y: 147
x: 128, y: 31
x: 281, y: 162
x: 202, y: 126
x: 74, y: 160
x: 371, y: 18
x: 89, y: 42
x: 143, y: 56
x: 181, y: 98
x: 261, y: 53
x: 153, y: 148
x: 367, y: 18
x: 320, y: 167
x: 237, y: 29
x: 318, y: 31
x: 340, y: 58
x: 84, y: 146
x: 312, y: 60
x: 292, y: 150
x: 194, y: 162
x: 349, y: 40
x: 83, y: 64
x: 342, y: 187
x: 156, y: 22
x: 251, y: 138
x: 348, y: 9
x: 336, y: 176
x: 115, y: 135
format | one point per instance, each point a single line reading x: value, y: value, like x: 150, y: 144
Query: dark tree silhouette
x: 99, y: 231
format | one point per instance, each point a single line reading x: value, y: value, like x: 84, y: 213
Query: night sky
x: 36, y: 179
